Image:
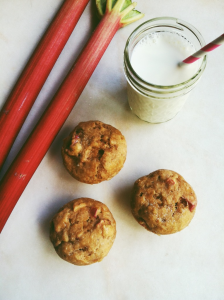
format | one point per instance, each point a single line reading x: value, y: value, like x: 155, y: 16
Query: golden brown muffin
x: 94, y: 152
x: 163, y: 202
x: 83, y: 231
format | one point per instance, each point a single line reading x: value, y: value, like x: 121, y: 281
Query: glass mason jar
x: 157, y: 103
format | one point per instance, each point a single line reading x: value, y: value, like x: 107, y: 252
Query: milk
x: 161, y: 86
x: 157, y: 56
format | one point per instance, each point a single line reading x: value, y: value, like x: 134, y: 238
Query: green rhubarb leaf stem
x: 109, y: 6
x: 118, y: 6
x: 128, y: 9
x: 123, y: 8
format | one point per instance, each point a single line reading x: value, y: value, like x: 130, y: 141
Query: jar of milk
x: 157, y: 86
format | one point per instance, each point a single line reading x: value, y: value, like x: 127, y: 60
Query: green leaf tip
x: 124, y: 7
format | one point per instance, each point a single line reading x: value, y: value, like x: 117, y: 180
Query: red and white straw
x: 203, y: 51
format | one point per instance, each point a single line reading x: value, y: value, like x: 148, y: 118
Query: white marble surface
x: 140, y: 265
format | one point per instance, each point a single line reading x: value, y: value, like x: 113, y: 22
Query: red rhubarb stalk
x: 33, y: 151
x: 27, y: 88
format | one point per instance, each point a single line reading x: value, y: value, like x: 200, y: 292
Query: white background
x: 140, y: 265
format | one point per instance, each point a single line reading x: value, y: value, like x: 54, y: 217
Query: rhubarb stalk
x: 27, y: 88
x: 14, y: 182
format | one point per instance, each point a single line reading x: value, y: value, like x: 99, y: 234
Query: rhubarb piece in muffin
x: 163, y: 202
x: 94, y: 152
x: 83, y: 231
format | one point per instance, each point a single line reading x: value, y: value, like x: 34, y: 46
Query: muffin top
x: 83, y: 231
x: 163, y: 202
x: 94, y: 152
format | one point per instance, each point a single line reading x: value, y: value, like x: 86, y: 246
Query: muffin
x: 163, y: 202
x: 83, y: 231
x: 94, y: 152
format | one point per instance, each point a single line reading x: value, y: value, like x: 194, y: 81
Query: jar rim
x: 177, y: 24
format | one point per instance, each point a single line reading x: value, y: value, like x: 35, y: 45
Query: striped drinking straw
x: 203, y: 51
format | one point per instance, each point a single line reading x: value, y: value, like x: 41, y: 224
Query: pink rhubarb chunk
x: 94, y: 211
x: 170, y: 181
x: 75, y: 140
x: 191, y: 205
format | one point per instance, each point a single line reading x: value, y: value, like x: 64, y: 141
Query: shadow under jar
x: 157, y: 103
